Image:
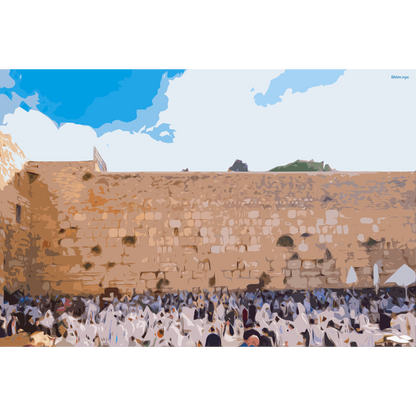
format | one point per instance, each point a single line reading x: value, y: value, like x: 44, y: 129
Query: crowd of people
x: 324, y: 317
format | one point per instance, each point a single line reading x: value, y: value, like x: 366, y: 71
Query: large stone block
x: 151, y: 284
x: 147, y: 276
x: 294, y: 264
x: 207, y: 215
x: 308, y: 264
x: 169, y: 267
x: 297, y: 282
x: 186, y: 274
x: 175, y: 223
x: 199, y: 275
x: 316, y: 282
x: 173, y: 276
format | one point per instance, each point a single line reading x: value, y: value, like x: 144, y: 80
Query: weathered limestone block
x: 80, y: 217
x: 199, y: 275
x: 207, y: 215
x: 140, y: 286
x: 295, y: 273
x: 187, y: 241
x: 151, y: 284
x: 310, y: 273
x: 331, y: 273
x: 316, y: 282
x: 254, y: 248
x: 196, y: 215
x: 169, y: 267
x: 236, y: 274
x: 147, y: 276
x: 297, y: 282
x: 328, y: 265
x: 186, y: 274
x: 332, y: 280
x: 308, y: 264
x: 173, y: 276
x: 294, y: 264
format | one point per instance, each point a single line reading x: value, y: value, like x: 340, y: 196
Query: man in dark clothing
x: 29, y: 325
x: 270, y: 335
x: 213, y: 340
x: 306, y: 337
x: 211, y: 311
x: 199, y: 313
x: 252, y: 310
x: 327, y: 341
x: 385, y: 321
x: 249, y: 333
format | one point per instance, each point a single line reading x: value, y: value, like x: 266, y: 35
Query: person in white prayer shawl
x: 362, y: 337
x: 342, y: 311
x: 354, y: 305
x: 230, y: 341
x: 174, y: 336
x: 220, y: 312
x: 317, y: 332
x: 291, y: 337
x: 405, y: 324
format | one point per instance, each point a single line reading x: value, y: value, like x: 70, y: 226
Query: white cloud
x: 362, y: 122
x: 365, y: 121
x: 40, y: 139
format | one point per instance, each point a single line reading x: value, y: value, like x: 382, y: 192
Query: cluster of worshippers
x: 220, y: 318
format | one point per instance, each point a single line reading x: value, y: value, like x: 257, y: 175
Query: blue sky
x: 297, y: 81
x: 168, y: 120
x: 92, y: 97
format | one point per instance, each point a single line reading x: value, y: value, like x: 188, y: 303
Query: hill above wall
x: 303, y: 166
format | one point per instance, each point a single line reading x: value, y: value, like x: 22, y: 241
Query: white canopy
x: 404, y: 276
x: 352, y: 276
x: 376, y: 275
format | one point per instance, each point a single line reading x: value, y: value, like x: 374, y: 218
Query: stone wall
x: 167, y: 231
x: 15, y: 236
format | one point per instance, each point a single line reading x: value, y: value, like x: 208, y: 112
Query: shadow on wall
x: 28, y: 210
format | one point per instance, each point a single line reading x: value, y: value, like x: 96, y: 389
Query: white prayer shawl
x: 317, y: 336
x: 231, y: 340
x: 367, y: 339
x: 129, y: 327
x: 186, y: 322
x: 174, y: 336
x: 301, y: 323
x: 91, y: 331
x: 301, y: 308
x: 354, y: 305
x: 139, y: 329
x: 342, y: 313
x: 48, y: 320
x: 221, y: 312
x: 334, y: 336
x: 292, y: 338
x: 188, y: 312
x: 405, y: 323
x: 92, y: 312
x: 363, y: 321
x: 238, y: 327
